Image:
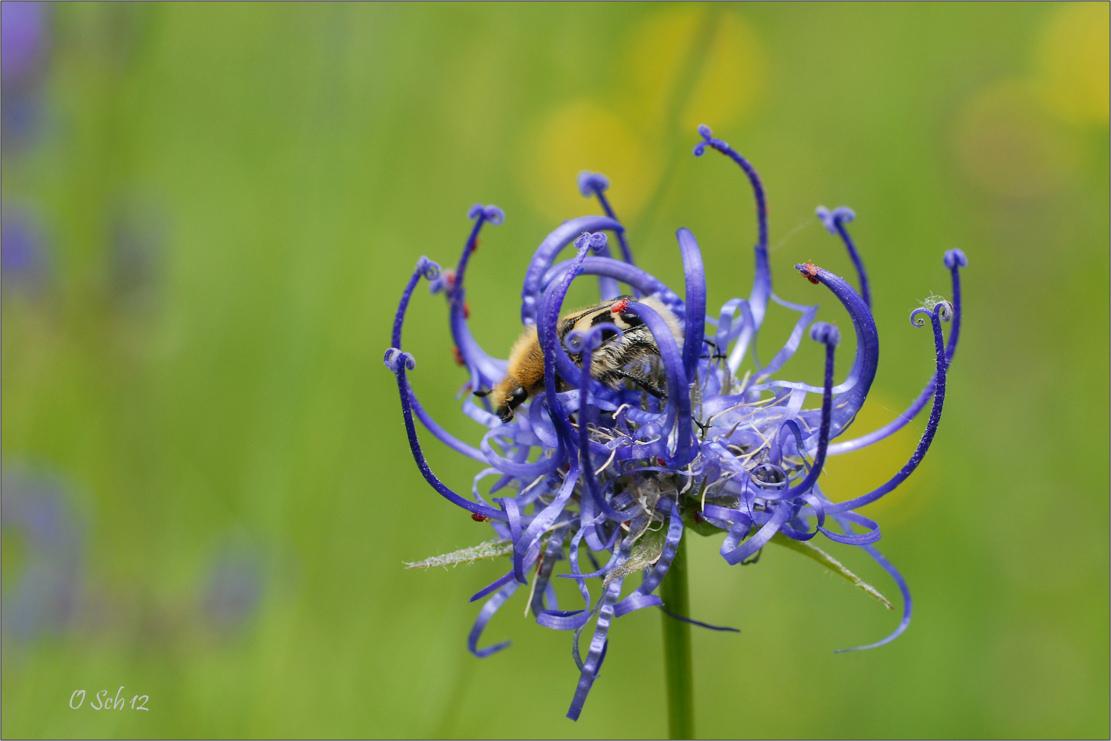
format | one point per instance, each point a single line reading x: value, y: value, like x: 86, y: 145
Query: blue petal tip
x: 919, y: 317
x: 493, y: 214
x: 826, y: 217
x: 827, y: 334
x: 830, y: 219
x: 955, y: 258
x: 395, y: 359
x: 428, y: 269
x: 591, y: 183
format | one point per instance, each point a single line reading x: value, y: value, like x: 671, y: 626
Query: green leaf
x: 480, y: 552
x: 831, y: 563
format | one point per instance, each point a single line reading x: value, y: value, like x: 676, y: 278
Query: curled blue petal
x: 484, y: 617
x: 428, y: 270
x: 400, y: 363
x: 850, y: 537
x: 597, y: 650
x: 828, y: 335
x: 678, y: 400
x: 553, y: 244
x: 493, y: 586
x: 734, y: 551
x: 954, y: 260
x: 402, y: 366
x: 556, y: 361
x: 641, y: 282
x: 835, y: 222
x: 927, y: 436
x: 485, y: 370
x: 762, y: 284
x: 907, y: 604
x: 852, y: 392
x: 694, y: 329
x: 594, y: 184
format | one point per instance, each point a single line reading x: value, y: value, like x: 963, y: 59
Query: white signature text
x: 104, y: 700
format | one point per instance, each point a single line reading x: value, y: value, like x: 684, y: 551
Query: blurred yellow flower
x: 583, y: 135
x: 1073, y: 63
x: 714, y: 54
x: 684, y: 65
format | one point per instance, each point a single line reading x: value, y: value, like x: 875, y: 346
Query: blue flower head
x: 618, y: 471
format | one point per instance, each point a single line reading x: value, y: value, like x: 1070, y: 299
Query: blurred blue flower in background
x: 682, y: 440
x: 48, y: 590
x: 234, y: 588
x: 43, y: 596
x: 24, y: 260
x: 25, y: 42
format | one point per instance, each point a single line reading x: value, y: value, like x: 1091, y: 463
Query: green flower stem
x: 677, y: 648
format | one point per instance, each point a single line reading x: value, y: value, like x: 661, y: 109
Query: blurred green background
x: 210, y: 211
